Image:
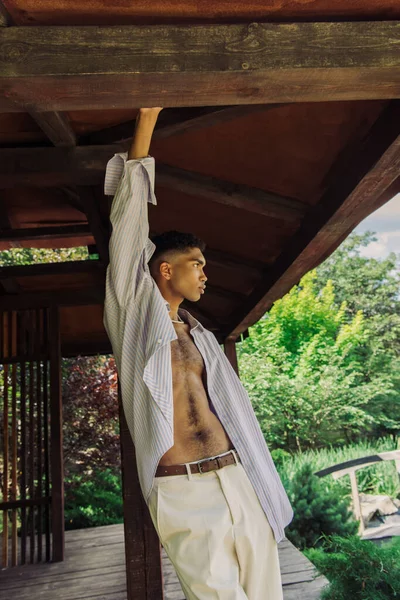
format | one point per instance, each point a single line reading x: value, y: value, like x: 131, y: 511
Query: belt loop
x: 189, y: 471
x: 235, y: 457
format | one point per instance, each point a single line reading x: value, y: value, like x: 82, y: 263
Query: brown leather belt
x: 201, y: 466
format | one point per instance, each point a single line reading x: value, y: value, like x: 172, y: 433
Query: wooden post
x: 56, y: 454
x: 142, y: 546
x: 356, y: 501
x: 230, y: 351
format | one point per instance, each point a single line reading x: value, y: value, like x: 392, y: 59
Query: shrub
x: 93, y: 502
x: 317, y: 510
x: 358, y: 569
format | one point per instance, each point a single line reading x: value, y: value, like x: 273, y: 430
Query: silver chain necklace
x: 179, y: 321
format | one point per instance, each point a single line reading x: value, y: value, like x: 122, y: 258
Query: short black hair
x: 175, y: 240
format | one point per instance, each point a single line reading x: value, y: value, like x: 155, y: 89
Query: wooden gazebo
x: 281, y: 134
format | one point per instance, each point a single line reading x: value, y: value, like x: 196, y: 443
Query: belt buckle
x: 199, y: 465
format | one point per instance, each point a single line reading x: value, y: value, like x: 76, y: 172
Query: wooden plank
x: 65, y: 268
x: 92, y: 296
x: 97, y: 227
x: 242, y: 197
x: 230, y: 351
x: 175, y: 121
x: 68, y: 68
x: 356, y: 184
x: 142, y: 546
x: 56, y: 437
x: 44, y: 233
x: 94, y: 567
x: 86, y: 166
x: 5, y: 17
x: 56, y: 126
x: 54, y: 167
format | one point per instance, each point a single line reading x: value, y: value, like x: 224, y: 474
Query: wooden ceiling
x: 277, y: 139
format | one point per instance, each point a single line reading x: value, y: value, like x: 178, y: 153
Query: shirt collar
x: 186, y: 316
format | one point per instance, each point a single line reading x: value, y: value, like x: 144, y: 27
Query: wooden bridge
x: 95, y: 569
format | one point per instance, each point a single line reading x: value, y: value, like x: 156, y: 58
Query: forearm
x: 145, y: 123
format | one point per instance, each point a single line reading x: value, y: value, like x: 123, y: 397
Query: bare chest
x: 184, y: 354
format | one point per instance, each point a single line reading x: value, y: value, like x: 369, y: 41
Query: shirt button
x: 159, y: 341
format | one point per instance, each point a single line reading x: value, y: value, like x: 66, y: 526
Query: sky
x: 386, y: 222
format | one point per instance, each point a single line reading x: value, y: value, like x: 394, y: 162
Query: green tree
x: 373, y: 286
x: 31, y: 256
x: 303, y: 366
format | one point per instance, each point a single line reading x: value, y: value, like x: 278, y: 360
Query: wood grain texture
x: 67, y: 68
x: 355, y: 188
x: 56, y: 127
x: 97, y: 12
x: 94, y: 567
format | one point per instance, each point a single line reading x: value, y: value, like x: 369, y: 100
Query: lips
x: 203, y: 289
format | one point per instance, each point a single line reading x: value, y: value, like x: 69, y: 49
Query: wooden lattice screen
x: 31, y: 441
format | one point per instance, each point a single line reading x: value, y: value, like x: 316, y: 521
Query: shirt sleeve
x: 132, y: 181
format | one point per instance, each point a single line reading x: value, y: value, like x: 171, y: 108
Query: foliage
x: 29, y: 256
x: 93, y: 501
x: 373, y: 286
x: 358, y: 569
x: 303, y: 367
x: 317, y: 510
x: 90, y: 415
x: 380, y: 478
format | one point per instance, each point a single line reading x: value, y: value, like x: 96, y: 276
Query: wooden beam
x: 356, y: 183
x: 56, y: 126
x: 238, y: 196
x: 175, y: 121
x: 86, y: 165
x: 71, y: 68
x: 230, y: 351
x: 63, y: 268
x: 54, y: 167
x: 234, y: 262
x: 44, y: 233
x: 56, y: 438
x: 5, y: 17
x: 98, y: 228
x: 144, y: 580
x: 88, y: 297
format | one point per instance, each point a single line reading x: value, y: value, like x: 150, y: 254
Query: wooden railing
x: 30, y: 449
x: 350, y: 467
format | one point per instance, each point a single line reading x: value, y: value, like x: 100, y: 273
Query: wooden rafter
x: 231, y: 194
x: 175, y: 121
x: 44, y: 233
x: 56, y: 126
x: 63, y: 268
x: 97, y: 227
x: 88, y: 297
x: 5, y: 17
x: 356, y: 184
x: 203, y: 65
x: 86, y: 166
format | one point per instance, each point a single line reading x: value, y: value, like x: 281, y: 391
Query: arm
x: 130, y: 248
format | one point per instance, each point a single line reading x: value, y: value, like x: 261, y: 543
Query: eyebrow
x: 199, y: 260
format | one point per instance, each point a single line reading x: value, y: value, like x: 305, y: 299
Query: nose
x: 204, y: 277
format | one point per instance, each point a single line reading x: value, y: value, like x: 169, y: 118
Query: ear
x: 166, y: 270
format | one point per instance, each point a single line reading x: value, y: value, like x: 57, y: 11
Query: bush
x: 380, y: 478
x: 93, y: 502
x: 317, y: 510
x: 358, y: 569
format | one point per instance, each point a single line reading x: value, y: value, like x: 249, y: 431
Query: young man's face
x: 187, y: 277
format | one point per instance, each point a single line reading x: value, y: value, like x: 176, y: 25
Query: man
x: 205, y: 471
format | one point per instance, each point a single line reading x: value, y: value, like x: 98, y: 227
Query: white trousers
x: 216, y: 535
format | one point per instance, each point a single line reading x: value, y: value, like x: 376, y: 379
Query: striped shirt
x: 141, y: 331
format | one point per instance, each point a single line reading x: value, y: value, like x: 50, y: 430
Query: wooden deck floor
x: 94, y: 569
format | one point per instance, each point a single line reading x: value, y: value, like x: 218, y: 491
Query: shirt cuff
x: 115, y: 169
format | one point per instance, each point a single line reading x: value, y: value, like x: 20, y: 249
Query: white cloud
x: 386, y: 223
